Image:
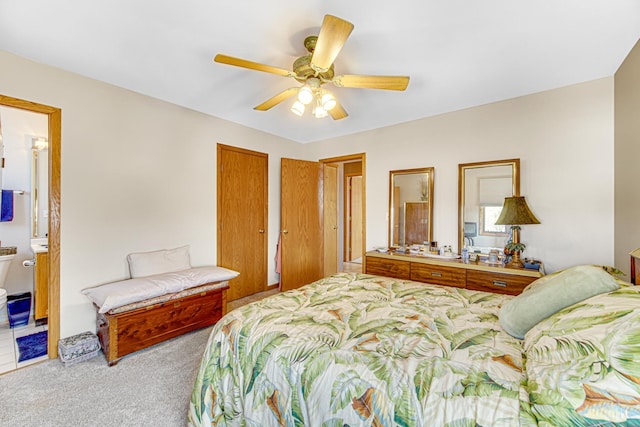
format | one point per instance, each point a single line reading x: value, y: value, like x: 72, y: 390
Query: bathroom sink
x: 40, y: 245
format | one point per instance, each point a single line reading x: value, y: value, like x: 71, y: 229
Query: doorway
x: 352, y: 224
x: 54, y: 117
x: 307, y: 231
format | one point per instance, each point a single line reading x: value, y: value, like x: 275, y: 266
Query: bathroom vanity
x: 41, y: 282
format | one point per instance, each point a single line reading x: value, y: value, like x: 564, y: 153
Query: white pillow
x: 197, y: 276
x: 116, y: 294
x: 158, y: 262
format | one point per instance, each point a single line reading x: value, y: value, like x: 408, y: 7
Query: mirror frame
x: 463, y: 167
x: 416, y: 171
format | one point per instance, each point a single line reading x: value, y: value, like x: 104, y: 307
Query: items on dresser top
x: 451, y: 272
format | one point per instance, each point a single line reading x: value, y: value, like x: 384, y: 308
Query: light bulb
x: 40, y: 144
x: 319, y: 112
x: 328, y: 101
x: 305, y: 94
x: 297, y: 108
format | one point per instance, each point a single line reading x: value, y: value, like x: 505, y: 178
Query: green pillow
x: 550, y: 294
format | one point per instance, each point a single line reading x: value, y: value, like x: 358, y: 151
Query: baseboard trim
x: 274, y: 286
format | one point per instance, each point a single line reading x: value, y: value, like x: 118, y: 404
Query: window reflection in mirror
x: 482, y: 188
x: 410, y: 206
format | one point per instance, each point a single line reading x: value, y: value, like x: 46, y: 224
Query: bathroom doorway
x: 54, y: 120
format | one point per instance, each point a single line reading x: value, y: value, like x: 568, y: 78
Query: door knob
x: 285, y: 231
x: 261, y: 231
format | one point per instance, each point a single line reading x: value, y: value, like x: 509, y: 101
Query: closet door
x: 242, y: 218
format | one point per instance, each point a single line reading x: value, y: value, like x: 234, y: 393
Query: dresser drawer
x: 388, y: 267
x: 439, y: 275
x: 497, y: 282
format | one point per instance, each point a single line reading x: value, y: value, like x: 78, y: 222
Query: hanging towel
x: 279, y: 255
x: 7, y: 205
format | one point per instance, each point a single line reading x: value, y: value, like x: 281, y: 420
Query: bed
x: 364, y: 350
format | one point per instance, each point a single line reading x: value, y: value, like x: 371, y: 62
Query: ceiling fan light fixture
x: 305, y: 95
x: 319, y: 112
x: 297, y: 108
x: 328, y: 101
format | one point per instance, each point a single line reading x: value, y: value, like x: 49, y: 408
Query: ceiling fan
x: 315, y: 69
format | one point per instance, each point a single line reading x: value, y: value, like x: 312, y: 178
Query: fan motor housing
x: 302, y: 66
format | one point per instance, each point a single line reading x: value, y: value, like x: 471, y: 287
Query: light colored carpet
x: 150, y: 387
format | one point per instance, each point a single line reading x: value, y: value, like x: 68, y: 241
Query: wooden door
x: 416, y: 222
x: 330, y: 213
x: 301, y: 223
x: 355, y: 218
x: 242, y: 218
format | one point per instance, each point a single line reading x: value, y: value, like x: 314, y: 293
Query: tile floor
x: 9, y: 348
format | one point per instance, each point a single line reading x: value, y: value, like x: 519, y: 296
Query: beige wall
x: 564, y: 139
x: 627, y: 158
x: 139, y: 174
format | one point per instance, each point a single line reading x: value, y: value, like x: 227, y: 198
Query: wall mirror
x: 410, y: 206
x: 482, y: 188
x: 39, y: 188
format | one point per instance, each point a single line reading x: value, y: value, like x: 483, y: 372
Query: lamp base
x: 515, y: 261
x: 513, y: 264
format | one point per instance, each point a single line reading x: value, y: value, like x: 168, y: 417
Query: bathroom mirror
x: 410, y: 206
x: 482, y: 188
x: 39, y: 188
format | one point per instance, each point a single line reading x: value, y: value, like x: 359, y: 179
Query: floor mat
x: 32, y: 346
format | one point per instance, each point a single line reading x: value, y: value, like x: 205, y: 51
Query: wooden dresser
x: 477, y: 276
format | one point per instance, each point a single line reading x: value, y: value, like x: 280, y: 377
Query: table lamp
x: 516, y: 212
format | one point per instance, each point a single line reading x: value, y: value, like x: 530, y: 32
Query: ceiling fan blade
x: 282, y: 96
x: 338, y: 112
x: 333, y: 35
x: 230, y: 60
x: 372, y: 82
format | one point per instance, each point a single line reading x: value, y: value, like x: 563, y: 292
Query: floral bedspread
x: 362, y: 350
x: 583, y: 363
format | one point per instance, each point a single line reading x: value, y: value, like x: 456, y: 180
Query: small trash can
x: 19, y: 309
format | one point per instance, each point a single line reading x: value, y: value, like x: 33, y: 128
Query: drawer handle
x: 500, y: 283
x: 435, y: 274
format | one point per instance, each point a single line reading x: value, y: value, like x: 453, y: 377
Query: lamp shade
x: 515, y: 211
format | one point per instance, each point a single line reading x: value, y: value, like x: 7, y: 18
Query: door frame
x: 55, y: 141
x: 362, y: 157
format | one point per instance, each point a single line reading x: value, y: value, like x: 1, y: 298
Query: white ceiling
x: 458, y: 53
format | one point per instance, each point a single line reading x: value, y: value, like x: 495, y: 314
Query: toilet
x: 5, y: 263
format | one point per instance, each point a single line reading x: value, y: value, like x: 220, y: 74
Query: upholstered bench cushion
x: 169, y: 297
x: 116, y: 294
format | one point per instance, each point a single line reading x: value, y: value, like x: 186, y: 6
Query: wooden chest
x: 124, y: 333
